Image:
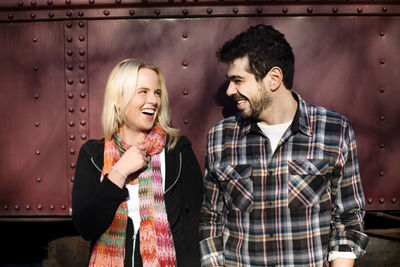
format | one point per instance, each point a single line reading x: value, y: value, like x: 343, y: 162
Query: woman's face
x: 145, y: 104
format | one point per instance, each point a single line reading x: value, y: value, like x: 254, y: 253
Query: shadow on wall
x: 224, y: 101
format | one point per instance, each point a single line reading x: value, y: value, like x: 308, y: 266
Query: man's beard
x: 257, y: 105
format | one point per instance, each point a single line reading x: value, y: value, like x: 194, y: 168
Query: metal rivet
x: 285, y: 10
x: 209, y: 10
x: 83, y: 136
x: 34, y: 39
x: 82, y: 66
x: 106, y: 12
x: 185, y: 63
x: 71, y: 123
x: 33, y: 15
x: 382, y: 145
x: 382, y: 61
x: 63, y: 207
x: 382, y: 90
x: 185, y: 92
x: 81, y: 38
x: 118, y: 1
x: 334, y: 10
x: 369, y: 200
x: 81, y: 24
x: 381, y: 173
x: 35, y: 96
x: 37, y: 124
x: 70, y: 95
x: 33, y: 3
x: 91, y: 2
x: 82, y: 80
x: 72, y: 179
x: 185, y: 121
x: 259, y: 10
x: 82, y: 52
x: 70, y: 66
x: 39, y: 206
x: 5, y: 207
x: 37, y: 152
x: 35, y: 68
x: 38, y: 179
x: 185, y: 35
x: 235, y: 10
x: 20, y: 3
x: 185, y: 11
x: 384, y: 9
x: 52, y: 207
x: 82, y: 94
x: 381, y: 200
x: 80, y: 13
x: 83, y: 122
x: 71, y: 109
x: 382, y: 118
x: 69, y: 52
x: 394, y: 200
x: 359, y: 10
x: 69, y: 13
x: 83, y: 109
x: 157, y: 12
x: 69, y: 39
x: 131, y: 12
x: 68, y: 2
x: 382, y: 34
x: 72, y: 151
x: 16, y: 207
x: 50, y: 2
x: 72, y: 165
x: 310, y: 9
x: 51, y: 14
x: 70, y: 81
x: 10, y: 16
x: 69, y: 25
x: 71, y: 137
x: 28, y: 207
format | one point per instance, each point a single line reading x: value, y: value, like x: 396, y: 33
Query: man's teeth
x: 241, y: 101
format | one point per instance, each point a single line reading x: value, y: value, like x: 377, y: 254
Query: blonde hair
x: 120, y: 89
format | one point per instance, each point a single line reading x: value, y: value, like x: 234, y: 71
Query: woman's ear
x: 275, y: 78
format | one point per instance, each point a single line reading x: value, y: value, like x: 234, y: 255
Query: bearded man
x: 282, y: 183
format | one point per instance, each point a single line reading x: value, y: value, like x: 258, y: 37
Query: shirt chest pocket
x: 237, y: 186
x: 308, y: 182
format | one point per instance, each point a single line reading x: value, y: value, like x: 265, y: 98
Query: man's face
x: 252, y: 97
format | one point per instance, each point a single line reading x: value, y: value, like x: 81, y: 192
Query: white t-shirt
x: 274, y: 132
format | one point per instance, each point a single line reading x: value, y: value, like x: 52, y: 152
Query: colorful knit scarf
x: 156, y: 242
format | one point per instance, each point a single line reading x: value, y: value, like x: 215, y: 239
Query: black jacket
x: 94, y: 204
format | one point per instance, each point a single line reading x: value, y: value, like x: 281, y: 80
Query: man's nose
x: 231, y: 90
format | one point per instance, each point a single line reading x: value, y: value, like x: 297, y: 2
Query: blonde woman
x: 137, y: 192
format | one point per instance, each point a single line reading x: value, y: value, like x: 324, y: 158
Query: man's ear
x: 274, y: 78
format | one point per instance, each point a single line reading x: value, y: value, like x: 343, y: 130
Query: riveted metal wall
x: 56, y: 56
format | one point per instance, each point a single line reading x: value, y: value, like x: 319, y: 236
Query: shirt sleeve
x: 211, y: 217
x: 347, y: 233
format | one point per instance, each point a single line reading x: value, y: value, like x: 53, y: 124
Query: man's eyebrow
x: 234, y: 77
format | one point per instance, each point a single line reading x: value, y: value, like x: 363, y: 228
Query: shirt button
x: 269, y: 173
x: 270, y: 234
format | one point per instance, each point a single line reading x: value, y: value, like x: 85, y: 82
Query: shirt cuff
x: 341, y: 254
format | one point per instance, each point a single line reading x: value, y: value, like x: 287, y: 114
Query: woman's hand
x: 133, y: 160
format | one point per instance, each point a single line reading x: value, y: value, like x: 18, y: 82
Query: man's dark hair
x: 265, y: 47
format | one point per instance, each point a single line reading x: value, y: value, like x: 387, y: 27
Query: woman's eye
x: 158, y: 93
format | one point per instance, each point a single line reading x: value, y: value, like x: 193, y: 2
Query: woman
x: 137, y: 193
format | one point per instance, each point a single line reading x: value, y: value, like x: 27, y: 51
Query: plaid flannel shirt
x: 287, y: 208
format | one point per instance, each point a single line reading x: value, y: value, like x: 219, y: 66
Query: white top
x: 133, y: 199
x: 274, y: 132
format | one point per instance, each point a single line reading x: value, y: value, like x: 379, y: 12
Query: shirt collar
x: 301, y: 120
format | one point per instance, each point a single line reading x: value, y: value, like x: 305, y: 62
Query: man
x: 282, y: 184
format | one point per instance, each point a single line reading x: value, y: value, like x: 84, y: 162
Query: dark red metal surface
x: 56, y: 57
